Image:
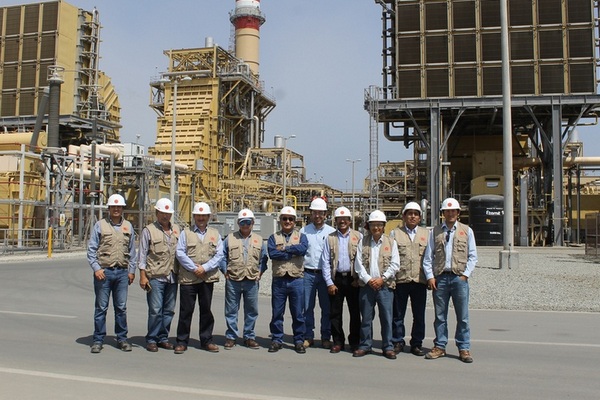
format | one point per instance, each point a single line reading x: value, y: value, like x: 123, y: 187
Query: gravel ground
x: 545, y: 279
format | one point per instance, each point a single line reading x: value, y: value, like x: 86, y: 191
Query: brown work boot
x: 465, y: 356
x: 229, y: 343
x: 436, y: 352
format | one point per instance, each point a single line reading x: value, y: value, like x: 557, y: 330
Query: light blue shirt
x: 364, y: 275
x: 429, y: 252
x: 187, y: 263
x: 343, y: 256
x: 316, y: 243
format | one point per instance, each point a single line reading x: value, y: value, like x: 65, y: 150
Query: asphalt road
x: 46, y: 310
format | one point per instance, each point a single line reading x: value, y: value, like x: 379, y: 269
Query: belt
x: 447, y: 273
x: 312, y: 271
x: 115, y: 267
x: 343, y: 274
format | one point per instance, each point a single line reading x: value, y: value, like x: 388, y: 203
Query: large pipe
x: 39, y: 120
x: 55, y: 81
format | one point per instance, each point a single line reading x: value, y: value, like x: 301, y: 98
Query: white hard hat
x: 201, y: 208
x: 318, y: 204
x: 245, y: 214
x: 342, y: 212
x: 164, y: 205
x: 116, y: 200
x: 450, y: 204
x: 412, y: 206
x: 287, y: 210
x: 377, y: 216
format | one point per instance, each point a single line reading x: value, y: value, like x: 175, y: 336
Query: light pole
x: 353, y: 162
x: 284, y: 160
x: 175, y: 78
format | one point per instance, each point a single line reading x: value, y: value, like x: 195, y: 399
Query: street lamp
x: 175, y: 79
x: 284, y: 160
x: 353, y: 162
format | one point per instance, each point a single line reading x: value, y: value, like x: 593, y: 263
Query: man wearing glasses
x: 316, y: 233
x: 450, y: 258
x: 287, y: 248
x: 376, y: 265
x: 246, y: 257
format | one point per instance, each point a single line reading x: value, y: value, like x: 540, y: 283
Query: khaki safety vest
x: 160, y: 261
x: 411, y: 255
x: 294, y: 267
x: 383, y: 262
x: 200, y: 251
x: 113, y: 249
x: 237, y: 268
x: 460, y: 249
x: 334, y: 253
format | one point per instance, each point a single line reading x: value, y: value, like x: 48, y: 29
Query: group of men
x: 318, y: 261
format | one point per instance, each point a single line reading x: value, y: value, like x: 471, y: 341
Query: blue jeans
x: 161, y: 308
x: 314, y: 285
x: 234, y: 291
x: 451, y: 286
x: 117, y: 283
x: 282, y: 289
x: 417, y: 292
x: 384, y: 299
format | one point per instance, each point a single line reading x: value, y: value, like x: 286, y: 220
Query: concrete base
x: 509, y: 259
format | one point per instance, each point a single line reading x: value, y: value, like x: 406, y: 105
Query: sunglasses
x: 245, y: 222
x: 288, y: 219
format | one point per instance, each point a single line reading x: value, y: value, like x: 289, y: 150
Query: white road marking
x: 37, y: 314
x: 147, y: 386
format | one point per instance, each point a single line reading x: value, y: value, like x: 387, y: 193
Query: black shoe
x: 399, y: 347
x: 275, y: 347
x: 300, y: 349
x: 417, y: 351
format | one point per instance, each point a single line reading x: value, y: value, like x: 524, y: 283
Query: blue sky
x: 317, y: 57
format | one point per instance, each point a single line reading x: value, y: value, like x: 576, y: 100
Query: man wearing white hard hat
x: 287, y: 248
x: 158, y: 242
x: 449, y: 261
x: 246, y: 257
x: 410, y: 280
x: 316, y: 232
x: 199, y: 252
x: 337, y: 261
x: 112, y: 256
x: 376, y: 265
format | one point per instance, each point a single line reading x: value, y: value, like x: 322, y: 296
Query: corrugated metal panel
x: 465, y: 48
x: 409, y: 18
x: 579, y: 11
x: 490, y: 47
x: 27, y: 102
x: 582, y: 77
x: 409, y: 83
x: 465, y: 82
x: 31, y: 20
x: 437, y: 82
x: 551, y: 44
x: 490, y: 13
x: 520, y: 12
x: 521, y: 45
x: 436, y: 49
x: 9, y: 102
x: 28, y: 75
x: 550, y: 12
x: 13, y: 20
x: 48, y: 46
x: 436, y: 16
x: 9, y: 77
x: 492, y: 81
x: 409, y: 50
x: 30, y: 46
x: 50, y: 16
x: 552, y: 78
x: 581, y: 43
x: 463, y: 14
x: 523, y: 79
x: 11, y: 50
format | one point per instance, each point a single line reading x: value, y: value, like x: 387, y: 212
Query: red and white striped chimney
x: 247, y: 19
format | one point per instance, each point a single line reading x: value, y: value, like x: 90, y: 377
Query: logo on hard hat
x: 342, y: 212
x: 200, y: 209
x: 115, y: 201
x: 244, y: 214
x: 166, y: 207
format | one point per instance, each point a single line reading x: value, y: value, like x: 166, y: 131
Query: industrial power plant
x: 440, y: 94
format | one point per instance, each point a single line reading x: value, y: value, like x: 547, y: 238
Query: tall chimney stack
x: 247, y: 19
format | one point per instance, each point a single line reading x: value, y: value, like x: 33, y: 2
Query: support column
x: 557, y: 177
x: 434, y: 165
